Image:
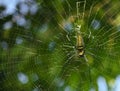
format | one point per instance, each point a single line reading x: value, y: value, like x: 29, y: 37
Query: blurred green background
x: 35, y: 45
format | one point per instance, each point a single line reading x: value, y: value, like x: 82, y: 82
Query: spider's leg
x: 86, y: 59
x: 68, y: 37
x: 67, y: 46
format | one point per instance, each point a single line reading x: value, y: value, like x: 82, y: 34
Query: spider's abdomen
x: 80, y: 45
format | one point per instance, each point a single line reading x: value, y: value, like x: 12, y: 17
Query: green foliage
x: 44, y: 53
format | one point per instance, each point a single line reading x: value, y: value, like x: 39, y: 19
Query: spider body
x: 80, y: 45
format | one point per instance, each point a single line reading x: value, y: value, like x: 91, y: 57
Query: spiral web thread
x: 46, y: 58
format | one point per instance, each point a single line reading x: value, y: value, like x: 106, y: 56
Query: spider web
x: 40, y: 54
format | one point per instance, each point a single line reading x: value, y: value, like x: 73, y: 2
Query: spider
x: 78, y: 46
